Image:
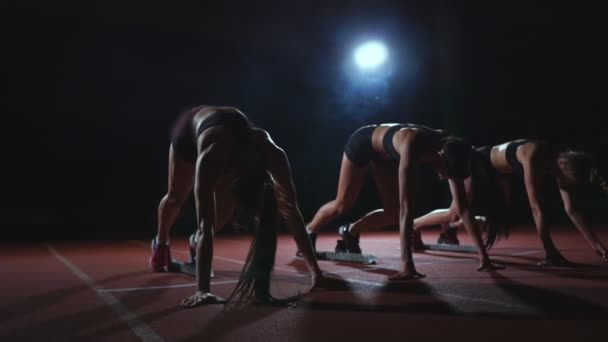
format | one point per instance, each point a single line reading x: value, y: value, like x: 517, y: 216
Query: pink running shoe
x: 161, y: 257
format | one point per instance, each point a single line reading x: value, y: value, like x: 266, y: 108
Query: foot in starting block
x: 450, y: 248
x: 349, y: 242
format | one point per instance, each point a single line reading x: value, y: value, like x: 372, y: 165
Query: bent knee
x: 453, y: 216
x: 342, y: 207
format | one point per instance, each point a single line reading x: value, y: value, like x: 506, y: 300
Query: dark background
x: 91, y: 89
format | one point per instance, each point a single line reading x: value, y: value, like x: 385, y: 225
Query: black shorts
x: 511, y: 155
x: 182, y: 136
x: 359, y: 148
x: 238, y: 123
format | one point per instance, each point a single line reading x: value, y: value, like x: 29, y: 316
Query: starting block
x: 341, y: 254
x: 365, y: 259
x: 187, y: 267
x: 450, y: 248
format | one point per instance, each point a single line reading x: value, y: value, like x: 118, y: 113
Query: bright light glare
x: 370, y: 55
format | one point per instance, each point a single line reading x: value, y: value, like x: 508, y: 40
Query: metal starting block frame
x: 185, y: 267
x: 450, y: 248
x: 365, y: 259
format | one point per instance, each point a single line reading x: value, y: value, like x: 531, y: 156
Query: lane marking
x: 139, y: 327
x: 356, y: 281
x: 221, y: 282
x: 181, y: 251
x: 243, y: 263
x: 160, y: 287
x: 535, y: 251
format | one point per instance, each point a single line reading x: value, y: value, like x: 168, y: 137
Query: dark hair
x: 599, y: 180
x: 457, y: 156
x: 254, y: 281
x: 578, y: 166
x: 249, y: 188
x: 488, y: 198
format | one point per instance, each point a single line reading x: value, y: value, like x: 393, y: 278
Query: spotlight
x: 370, y: 55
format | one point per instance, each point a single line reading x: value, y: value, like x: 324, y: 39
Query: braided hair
x: 581, y: 167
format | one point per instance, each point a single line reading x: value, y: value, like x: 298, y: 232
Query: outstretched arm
x: 406, y: 215
x: 463, y: 209
x: 533, y: 181
x: 209, y: 166
x: 581, y: 223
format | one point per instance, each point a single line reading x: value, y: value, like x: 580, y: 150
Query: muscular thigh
x: 350, y: 182
x: 181, y: 176
x: 387, y: 183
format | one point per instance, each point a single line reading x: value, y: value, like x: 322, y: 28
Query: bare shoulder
x: 273, y: 153
x: 535, y: 149
x: 260, y: 135
x: 263, y: 139
x: 407, y: 141
x: 536, y: 156
x: 213, y: 136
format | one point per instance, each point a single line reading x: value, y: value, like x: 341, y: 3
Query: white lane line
x: 144, y: 288
x: 222, y: 282
x: 139, y: 327
x: 353, y: 270
x: 336, y: 272
x: 243, y: 263
x: 128, y: 289
x: 535, y: 251
x: 442, y: 258
x: 181, y: 251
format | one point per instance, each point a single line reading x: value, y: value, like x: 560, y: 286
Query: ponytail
x: 597, y: 178
x: 254, y: 281
x: 488, y: 199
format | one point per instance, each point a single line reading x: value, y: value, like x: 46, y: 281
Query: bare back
x: 515, y: 157
x: 425, y: 141
x: 243, y: 148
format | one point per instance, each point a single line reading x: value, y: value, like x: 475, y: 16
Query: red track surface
x: 96, y: 291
